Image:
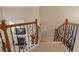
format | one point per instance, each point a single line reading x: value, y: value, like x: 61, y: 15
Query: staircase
x: 64, y: 39
x: 30, y: 34
x: 66, y: 33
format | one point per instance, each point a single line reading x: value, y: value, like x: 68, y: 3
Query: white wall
x: 52, y: 17
x: 20, y: 14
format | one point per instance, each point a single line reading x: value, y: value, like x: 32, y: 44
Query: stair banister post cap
x: 66, y: 21
x: 3, y: 21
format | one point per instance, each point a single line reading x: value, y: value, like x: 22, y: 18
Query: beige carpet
x: 48, y: 45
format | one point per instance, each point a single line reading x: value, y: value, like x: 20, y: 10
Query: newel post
x: 36, y: 30
x: 65, y: 30
x: 4, y: 28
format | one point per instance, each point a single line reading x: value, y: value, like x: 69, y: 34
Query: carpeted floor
x: 47, y: 45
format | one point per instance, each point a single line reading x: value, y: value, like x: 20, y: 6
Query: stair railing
x: 66, y: 33
x: 28, y: 38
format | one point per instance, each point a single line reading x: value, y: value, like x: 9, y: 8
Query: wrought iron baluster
x: 17, y: 37
x: 22, y: 46
x: 68, y: 43
x: 25, y: 37
x: 73, y: 42
x: 72, y: 36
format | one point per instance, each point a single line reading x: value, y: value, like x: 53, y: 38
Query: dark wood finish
x: 36, y: 30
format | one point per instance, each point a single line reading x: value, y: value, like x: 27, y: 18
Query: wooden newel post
x: 66, y: 22
x: 7, y: 43
x: 36, y: 30
x: 65, y: 30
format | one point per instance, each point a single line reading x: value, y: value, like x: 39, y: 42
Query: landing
x: 49, y: 46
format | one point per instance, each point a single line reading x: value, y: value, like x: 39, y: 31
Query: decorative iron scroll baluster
x: 70, y: 37
x: 16, y: 44
x: 73, y: 42
x: 21, y: 38
x: 23, y: 43
x: 58, y: 33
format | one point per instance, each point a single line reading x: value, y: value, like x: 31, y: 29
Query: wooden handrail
x: 60, y: 26
x: 20, y: 24
x: 36, y: 30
